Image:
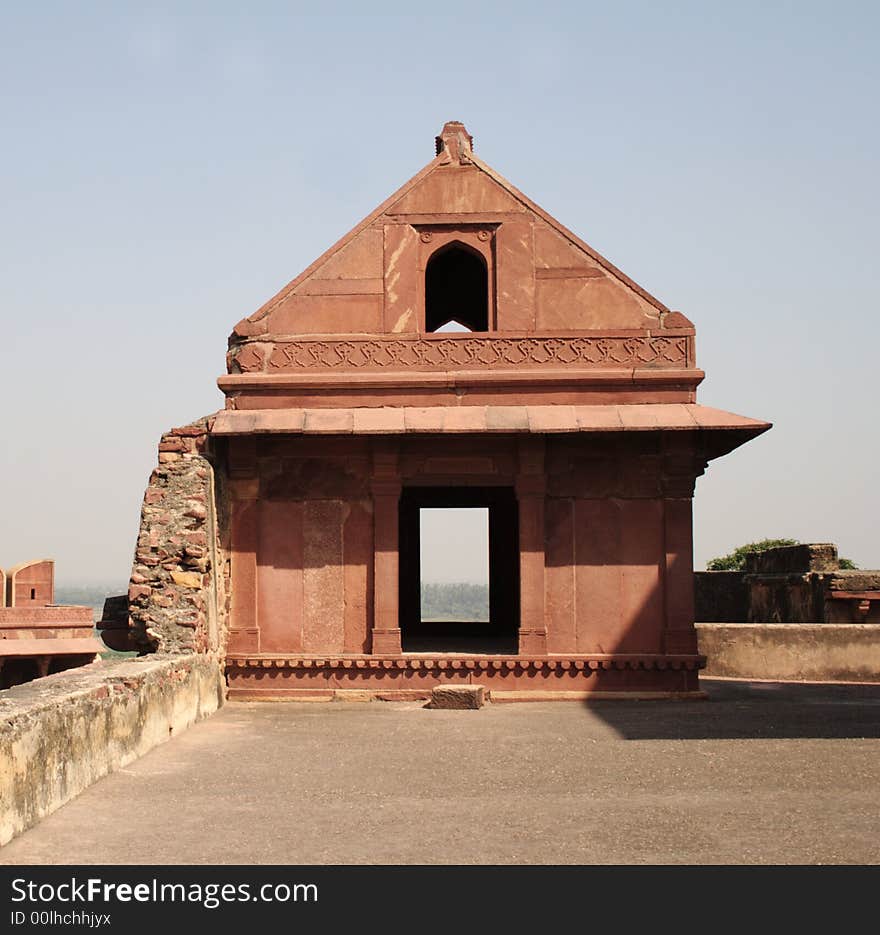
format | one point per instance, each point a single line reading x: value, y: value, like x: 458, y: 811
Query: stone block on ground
x: 457, y: 697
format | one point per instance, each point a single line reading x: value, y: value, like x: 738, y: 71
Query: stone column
x: 531, y: 487
x: 681, y: 468
x: 386, y: 486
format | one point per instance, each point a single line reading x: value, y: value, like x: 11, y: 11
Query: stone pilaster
x: 385, y: 485
x: 531, y: 488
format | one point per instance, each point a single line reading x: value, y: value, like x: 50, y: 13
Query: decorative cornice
x: 413, y: 380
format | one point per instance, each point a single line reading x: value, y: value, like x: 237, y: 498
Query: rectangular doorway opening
x: 459, y: 570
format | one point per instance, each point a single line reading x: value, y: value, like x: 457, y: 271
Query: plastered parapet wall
x: 814, y: 652
x: 60, y: 734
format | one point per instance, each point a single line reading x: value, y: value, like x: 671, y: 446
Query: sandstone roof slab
x: 534, y: 420
x: 383, y: 421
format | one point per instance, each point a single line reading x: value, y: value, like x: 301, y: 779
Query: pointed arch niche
x: 458, y: 280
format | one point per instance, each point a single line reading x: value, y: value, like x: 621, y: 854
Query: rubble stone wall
x: 176, y: 604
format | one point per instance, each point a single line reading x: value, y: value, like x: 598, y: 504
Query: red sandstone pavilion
x: 283, y: 532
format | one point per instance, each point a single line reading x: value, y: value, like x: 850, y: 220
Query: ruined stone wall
x: 819, y: 557
x: 787, y: 598
x: 791, y: 585
x: 853, y: 597
x: 176, y: 598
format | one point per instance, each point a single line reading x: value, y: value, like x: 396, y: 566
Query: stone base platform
x: 413, y: 676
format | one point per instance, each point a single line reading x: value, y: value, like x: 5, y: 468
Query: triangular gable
x: 344, y: 290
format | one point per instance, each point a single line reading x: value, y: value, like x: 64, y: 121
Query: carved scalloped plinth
x: 506, y: 678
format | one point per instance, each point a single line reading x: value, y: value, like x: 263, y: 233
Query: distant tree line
x: 456, y: 601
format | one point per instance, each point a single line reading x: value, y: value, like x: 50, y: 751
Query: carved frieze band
x: 457, y: 353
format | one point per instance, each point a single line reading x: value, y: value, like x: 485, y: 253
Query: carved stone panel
x: 462, y: 353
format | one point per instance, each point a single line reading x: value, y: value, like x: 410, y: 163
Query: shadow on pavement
x: 750, y: 711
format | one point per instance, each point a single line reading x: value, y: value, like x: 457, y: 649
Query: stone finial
x: 455, y: 140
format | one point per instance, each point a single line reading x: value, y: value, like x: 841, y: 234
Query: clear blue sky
x: 166, y: 167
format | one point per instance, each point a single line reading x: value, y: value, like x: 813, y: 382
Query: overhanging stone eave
x: 719, y: 441
x: 717, y: 432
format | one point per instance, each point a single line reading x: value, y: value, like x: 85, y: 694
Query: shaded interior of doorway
x: 500, y: 633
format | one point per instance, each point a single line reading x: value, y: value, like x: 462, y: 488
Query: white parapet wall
x: 804, y: 652
x: 60, y: 734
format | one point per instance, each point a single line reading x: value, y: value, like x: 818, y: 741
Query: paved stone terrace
x: 760, y: 773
